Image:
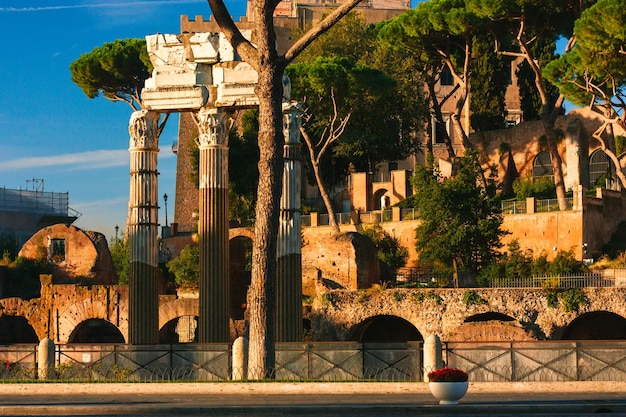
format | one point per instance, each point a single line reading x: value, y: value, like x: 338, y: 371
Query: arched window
x: 600, y: 168
x: 542, y: 166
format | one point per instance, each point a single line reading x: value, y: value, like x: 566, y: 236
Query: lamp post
x: 165, y: 199
x: 117, y: 229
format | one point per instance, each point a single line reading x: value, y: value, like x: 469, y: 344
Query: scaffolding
x: 41, y: 202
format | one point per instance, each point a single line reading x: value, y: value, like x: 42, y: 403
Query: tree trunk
x: 320, y: 182
x: 262, y: 288
x: 548, y: 119
x: 270, y: 67
x: 557, y: 166
x: 439, y: 118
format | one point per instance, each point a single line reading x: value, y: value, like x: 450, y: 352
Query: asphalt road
x: 308, y: 399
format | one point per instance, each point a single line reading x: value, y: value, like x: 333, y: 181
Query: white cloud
x: 95, y: 5
x: 102, y: 158
x: 109, y: 202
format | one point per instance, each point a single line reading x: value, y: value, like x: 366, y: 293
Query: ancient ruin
x: 200, y: 73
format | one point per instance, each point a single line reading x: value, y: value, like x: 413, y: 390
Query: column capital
x: 211, y: 127
x: 143, y: 128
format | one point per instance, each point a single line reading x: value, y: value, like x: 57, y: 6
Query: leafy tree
x: 9, y: 246
x: 333, y: 89
x: 186, y: 267
x: 460, y: 220
x: 270, y: 66
x: 528, y: 187
x: 391, y: 254
x: 440, y: 34
x: 490, y: 77
x: 593, y: 73
x: 359, y: 136
x: 22, y: 276
x: 120, y: 254
x: 529, y: 26
x: 116, y: 70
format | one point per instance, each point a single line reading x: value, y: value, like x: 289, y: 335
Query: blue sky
x: 50, y: 130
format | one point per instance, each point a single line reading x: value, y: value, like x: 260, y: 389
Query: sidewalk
x: 290, y: 399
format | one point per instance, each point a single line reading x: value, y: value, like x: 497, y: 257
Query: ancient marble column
x: 143, y: 303
x: 213, y: 321
x: 289, y: 246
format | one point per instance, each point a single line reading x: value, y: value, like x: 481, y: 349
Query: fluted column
x: 289, y: 248
x: 143, y: 303
x: 213, y: 322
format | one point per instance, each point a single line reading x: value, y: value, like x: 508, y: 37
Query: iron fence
x: 560, y: 282
x: 331, y: 362
x: 514, y: 207
x: 542, y: 206
x: 535, y: 361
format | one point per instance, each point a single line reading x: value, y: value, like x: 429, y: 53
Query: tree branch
x: 242, y: 46
x: 318, y: 29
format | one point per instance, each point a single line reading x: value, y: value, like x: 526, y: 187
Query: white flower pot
x: 448, y: 392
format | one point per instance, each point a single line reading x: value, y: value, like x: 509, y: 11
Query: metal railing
x: 560, y: 282
x: 514, y: 207
x: 410, y: 214
x: 534, y: 361
x: 496, y: 361
x: 543, y: 206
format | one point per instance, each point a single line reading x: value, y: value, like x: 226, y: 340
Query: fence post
x: 432, y: 354
x: 240, y: 359
x: 45, y: 362
x: 396, y: 214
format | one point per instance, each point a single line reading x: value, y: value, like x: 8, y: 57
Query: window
x: 440, y: 129
x: 600, y: 169
x: 446, y: 77
x: 57, y: 250
x: 542, y: 166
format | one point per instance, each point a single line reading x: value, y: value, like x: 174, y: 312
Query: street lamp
x: 165, y: 199
x: 117, y: 229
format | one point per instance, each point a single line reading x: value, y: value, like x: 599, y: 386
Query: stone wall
x: 347, y: 260
x: 524, y: 142
x: 443, y: 312
x: 85, y: 254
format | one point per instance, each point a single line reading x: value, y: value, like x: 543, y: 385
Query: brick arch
x: 241, y: 232
x: 180, y: 307
x: 81, y: 311
x: 34, y: 314
x: 387, y: 325
x: 595, y: 325
x: 491, y: 331
x: 17, y: 307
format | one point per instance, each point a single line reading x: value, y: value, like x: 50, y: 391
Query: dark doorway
x: 385, y: 329
x: 96, y: 331
x: 179, y: 330
x: 16, y: 329
x: 240, y: 275
x: 597, y: 325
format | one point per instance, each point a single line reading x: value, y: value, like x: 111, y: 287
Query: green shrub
x: 552, y: 300
x: 186, y: 267
x: 573, y: 299
x: 471, y: 297
x: 542, y: 188
x: 427, y: 295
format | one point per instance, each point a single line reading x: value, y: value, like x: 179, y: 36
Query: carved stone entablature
x: 197, y: 70
x: 143, y: 128
x: 211, y: 128
x: 175, y: 98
